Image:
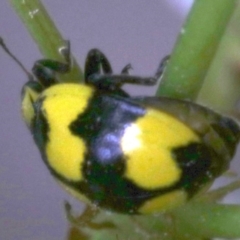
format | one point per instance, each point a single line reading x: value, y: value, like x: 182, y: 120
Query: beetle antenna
x: 5, y: 48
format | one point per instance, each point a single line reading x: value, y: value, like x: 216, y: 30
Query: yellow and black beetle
x: 127, y: 154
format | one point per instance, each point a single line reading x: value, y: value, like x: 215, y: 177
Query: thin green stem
x: 45, y: 34
x: 195, y: 48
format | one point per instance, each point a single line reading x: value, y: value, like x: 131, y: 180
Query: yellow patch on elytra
x: 61, y: 106
x: 29, y: 97
x: 147, y: 145
x: 164, y: 202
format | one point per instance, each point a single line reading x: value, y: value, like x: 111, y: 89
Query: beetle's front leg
x: 45, y: 69
x: 98, y: 72
x: 161, y: 67
x: 96, y: 64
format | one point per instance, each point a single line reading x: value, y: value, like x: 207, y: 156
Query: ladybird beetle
x: 133, y: 155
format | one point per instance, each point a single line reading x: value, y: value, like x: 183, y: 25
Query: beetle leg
x: 161, y: 67
x: 109, y: 81
x: 99, y: 73
x: 126, y: 69
x: 121, y: 79
x: 96, y: 63
x: 45, y: 69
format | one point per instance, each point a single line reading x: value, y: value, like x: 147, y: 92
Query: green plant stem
x: 45, y: 34
x: 195, y: 48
